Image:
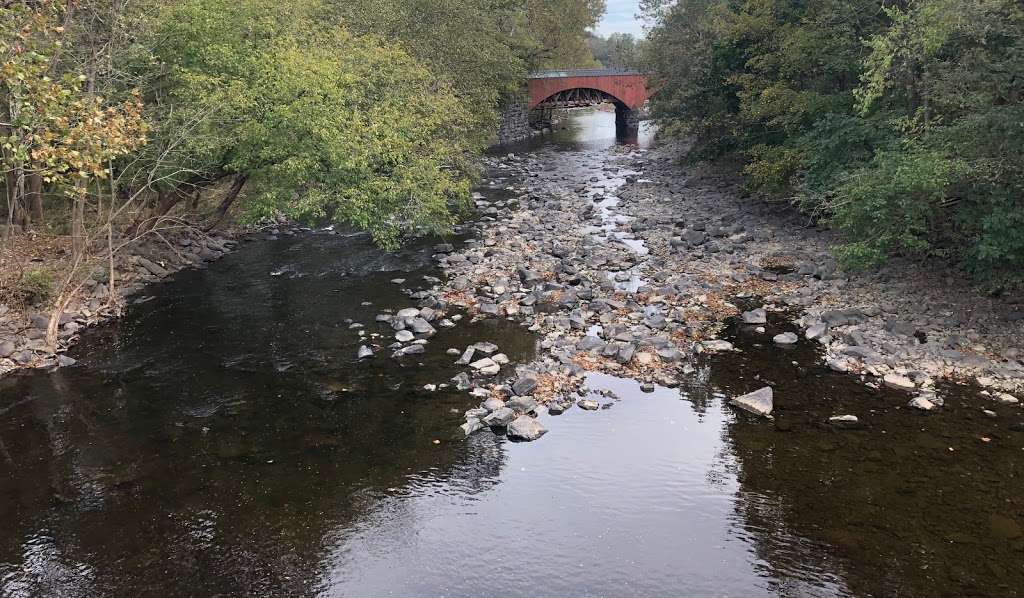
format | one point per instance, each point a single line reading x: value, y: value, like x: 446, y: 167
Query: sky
x: 620, y: 17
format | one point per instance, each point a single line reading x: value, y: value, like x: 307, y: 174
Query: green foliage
x: 35, y: 286
x: 618, y: 50
x: 910, y: 143
x: 320, y: 123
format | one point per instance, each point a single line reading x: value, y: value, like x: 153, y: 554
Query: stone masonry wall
x: 514, y: 119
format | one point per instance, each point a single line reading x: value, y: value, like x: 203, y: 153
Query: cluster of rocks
x: 149, y: 259
x: 623, y: 265
x: 917, y: 323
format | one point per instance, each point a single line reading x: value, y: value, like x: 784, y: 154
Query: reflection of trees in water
x: 153, y: 499
x: 889, y: 509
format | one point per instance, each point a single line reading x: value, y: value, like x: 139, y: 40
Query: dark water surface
x: 222, y: 440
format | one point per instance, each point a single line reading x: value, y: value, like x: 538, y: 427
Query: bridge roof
x: 583, y: 73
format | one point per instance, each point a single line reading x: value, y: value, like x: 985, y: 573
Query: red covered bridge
x: 626, y: 89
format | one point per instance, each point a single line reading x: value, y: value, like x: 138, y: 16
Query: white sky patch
x: 620, y: 17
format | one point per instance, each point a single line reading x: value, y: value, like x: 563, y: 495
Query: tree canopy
x: 900, y: 123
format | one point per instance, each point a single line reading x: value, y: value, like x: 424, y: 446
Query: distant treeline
x: 901, y: 122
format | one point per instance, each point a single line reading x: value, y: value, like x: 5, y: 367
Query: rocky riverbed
x: 625, y: 262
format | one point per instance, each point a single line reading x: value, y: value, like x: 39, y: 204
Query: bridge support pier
x: 625, y: 118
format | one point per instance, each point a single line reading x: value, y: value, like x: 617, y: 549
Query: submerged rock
x: 760, y: 402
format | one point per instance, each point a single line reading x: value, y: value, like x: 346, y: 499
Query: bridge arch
x: 627, y: 89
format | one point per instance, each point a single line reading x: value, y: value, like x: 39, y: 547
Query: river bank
x: 627, y: 263
x: 145, y: 261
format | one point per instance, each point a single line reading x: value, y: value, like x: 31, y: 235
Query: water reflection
x: 222, y: 440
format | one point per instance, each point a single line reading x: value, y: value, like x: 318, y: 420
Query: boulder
x: 472, y: 425
x: 755, y: 316
x: 500, y: 417
x: 525, y: 385
x: 525, y: 428
x: 588, y: 404
x: 786, y: 338
x: 522, y: 404
x: 760, y: 402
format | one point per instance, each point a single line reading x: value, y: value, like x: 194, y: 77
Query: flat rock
x: 760, y: 402
x: 898, y: 382
x: 522, y: 404
x: 500, y: 417
x: 486, y: 366
x: 525, y: 385
x: 786, y: 338
x: 921, y: 404
x: 588, y: 404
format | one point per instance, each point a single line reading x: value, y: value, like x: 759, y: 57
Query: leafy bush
x: 912, y: 143
x: 35, y: 286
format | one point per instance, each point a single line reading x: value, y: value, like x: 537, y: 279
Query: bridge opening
x: 626, y: 90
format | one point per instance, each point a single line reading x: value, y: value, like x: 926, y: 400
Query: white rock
x: 759, y: 402
x: 898, y: 382
x: 921, y: 403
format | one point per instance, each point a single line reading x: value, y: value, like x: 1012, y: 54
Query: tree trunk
x: 78, y: 236
x: 229, y: 198
x: 35, y: 198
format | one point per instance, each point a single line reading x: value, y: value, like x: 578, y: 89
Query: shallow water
x: 222, y: 440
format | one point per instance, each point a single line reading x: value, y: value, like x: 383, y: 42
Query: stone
x: 492, y: 404
x: 525, y: 385
x: 844, y: 317
x: 7, y: 348
x: 421, y: 326
x: 1000, y: 397
x: 844, y: 421
x: 462, y: 381
x: 755, y: 316
x: 410, y: 350
x: 815, y: 331
x: 898, y: 382
x: 404, y: 336
x: 625, y: 354
x: 526, y: 428
x: 786, y: 338
x: 500, y: 417
x: 467, y: 357
x: 921, y: 404
x: 65, y: 361
x: 588, y: 404
x: 486, y: 366
x: 760, y: 402
x: 472, y: 426
x: 152, y: 268
x: 522, y: 404
x: 485, y: 348
x: 717, y: 346
x: 409, y: 312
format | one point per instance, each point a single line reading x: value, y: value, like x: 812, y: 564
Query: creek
x: 223, y: 440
